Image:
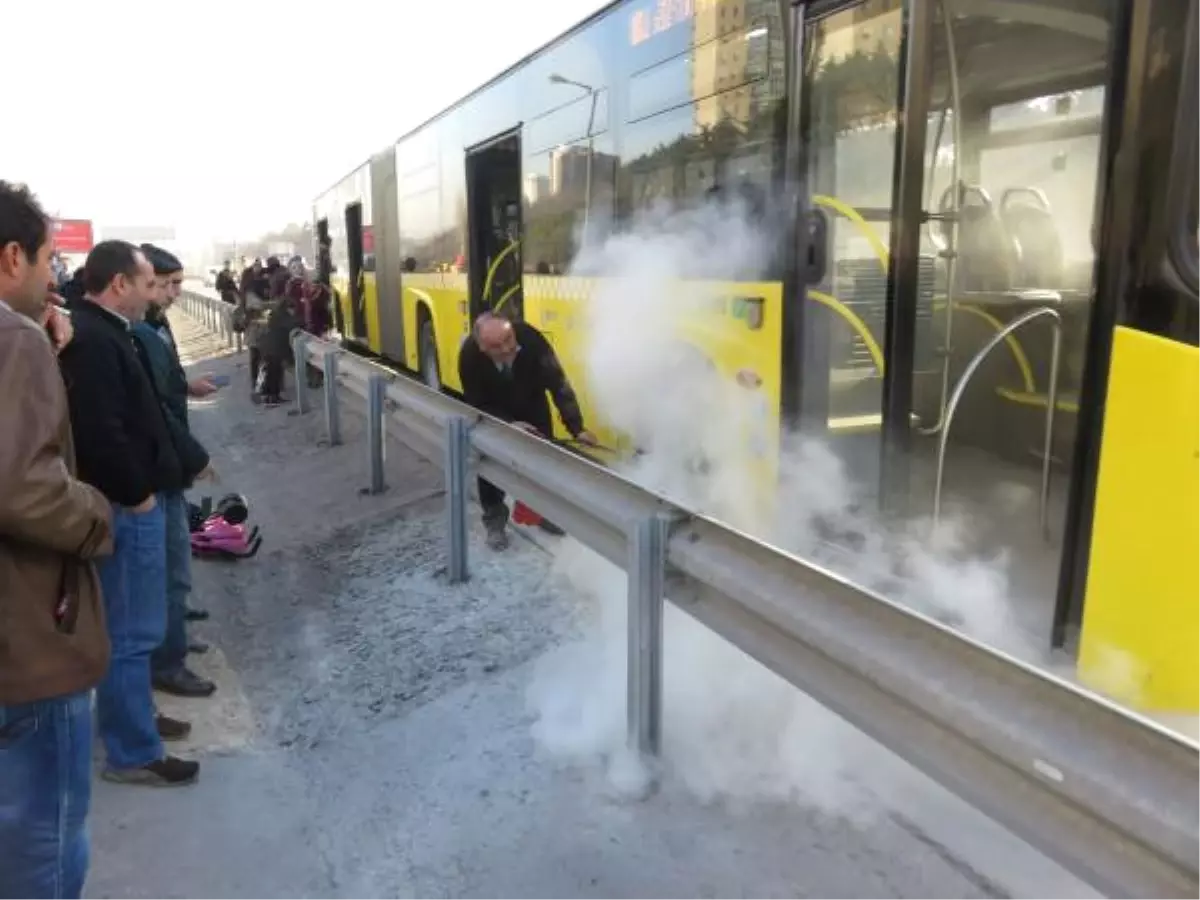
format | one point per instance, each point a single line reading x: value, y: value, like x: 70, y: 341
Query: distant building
x: 569, y: 167
x: 537, y: 187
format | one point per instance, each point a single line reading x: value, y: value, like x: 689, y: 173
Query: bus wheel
x: 430, y: 373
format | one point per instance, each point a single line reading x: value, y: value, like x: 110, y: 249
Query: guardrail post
x: 646, y: 568
x: 376, y: 433
x: 333, y: 420
x: 300, y: 357
x: 457, y: 444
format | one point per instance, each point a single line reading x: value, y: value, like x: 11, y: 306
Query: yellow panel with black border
x: 1140, y: 641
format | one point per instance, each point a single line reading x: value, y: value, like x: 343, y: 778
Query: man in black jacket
x: 155, y: 343
x: 125, y: 450
x: 506, y: 371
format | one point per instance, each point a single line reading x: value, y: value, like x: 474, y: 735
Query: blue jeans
x: 170, y: 658
x: 45, y: 790
x: 134, y: 581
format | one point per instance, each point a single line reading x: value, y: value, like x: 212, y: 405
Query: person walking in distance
x: 155, y: 343
x: 507, y: 369
x: 53, y: 644
x: 125, y: 450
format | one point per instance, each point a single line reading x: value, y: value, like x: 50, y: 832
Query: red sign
x: 368, y: 240
x: 72, y: 235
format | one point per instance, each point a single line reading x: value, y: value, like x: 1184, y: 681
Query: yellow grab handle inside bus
x: 857, y: 324
x: 845, y: 209
x: 487, y: 283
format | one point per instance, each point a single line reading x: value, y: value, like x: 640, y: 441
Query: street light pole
x: 591, y: 148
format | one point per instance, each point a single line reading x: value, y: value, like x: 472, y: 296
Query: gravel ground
x: 372, y: 733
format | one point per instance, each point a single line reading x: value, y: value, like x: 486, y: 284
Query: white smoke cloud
x: 732, y: 729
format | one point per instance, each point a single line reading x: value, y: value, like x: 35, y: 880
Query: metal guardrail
x: 1111, y: 796
x: 216, y: 314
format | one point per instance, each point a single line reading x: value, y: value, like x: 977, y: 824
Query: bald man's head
x: 496, y: 338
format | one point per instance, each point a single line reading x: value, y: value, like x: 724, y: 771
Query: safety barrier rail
x: 1108, y: 794
x: 215, y: 313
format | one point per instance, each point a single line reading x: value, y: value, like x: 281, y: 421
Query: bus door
x: 958, y: 151
x: 354, y: 247
x: 325, y: 270
x: 494, y: 225
x: 855, y: 337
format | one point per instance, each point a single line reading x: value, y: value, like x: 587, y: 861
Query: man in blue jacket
x: 156, y: 346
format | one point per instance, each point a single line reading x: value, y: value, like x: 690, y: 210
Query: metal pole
x: 961, y: 386
x: 647, y: 563
x: 587, y: 188
x: 456, y: 496
x: 299, y: 355
x: 1051, y: 409
x: 376, y: 385
x: 333, y: 421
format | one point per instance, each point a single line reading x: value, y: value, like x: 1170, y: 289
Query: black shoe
x: 550, y: 528
x: 172, y: 729
x: 197, y: 647
x: 195, y: 615
x: 184, y: 683
x: 170, y: 771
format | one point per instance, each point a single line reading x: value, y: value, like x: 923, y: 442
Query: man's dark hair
x: 107, y: 260
x: 22, y: 219
x: 164, y: 261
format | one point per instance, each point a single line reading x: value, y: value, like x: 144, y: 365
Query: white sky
x: 182, y: 112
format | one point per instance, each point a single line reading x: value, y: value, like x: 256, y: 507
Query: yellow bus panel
x: 1139, y: 642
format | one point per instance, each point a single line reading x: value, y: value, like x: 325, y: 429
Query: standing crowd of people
x: 272, y: 301
x: 96, y: 452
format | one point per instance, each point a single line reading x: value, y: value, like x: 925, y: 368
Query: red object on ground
x: 523, y: 515
x: 72, y: 235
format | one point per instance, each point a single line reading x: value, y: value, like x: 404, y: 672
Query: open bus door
x: 494, y: 226
x: 354, y: 246
x: 325, y: 272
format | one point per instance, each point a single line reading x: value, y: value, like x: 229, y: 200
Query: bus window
x: 704, y: 131
x: 1014, y: 198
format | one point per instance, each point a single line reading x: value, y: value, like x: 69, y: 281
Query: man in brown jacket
x: 53, y: 643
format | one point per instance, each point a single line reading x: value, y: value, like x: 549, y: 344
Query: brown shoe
x: 172, y: 729
x: 170, y: 771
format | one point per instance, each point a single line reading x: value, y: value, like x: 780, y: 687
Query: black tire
x: 431, y: 373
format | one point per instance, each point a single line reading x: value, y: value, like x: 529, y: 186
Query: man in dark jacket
x: 53, y: 644
x: 125, y: 450
x: 506, y: 371
x: 227, y: 285
x: 156, y: 346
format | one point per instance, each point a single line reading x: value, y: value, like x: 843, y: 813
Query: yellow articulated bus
x: 979, y: 269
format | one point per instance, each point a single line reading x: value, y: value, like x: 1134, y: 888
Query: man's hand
x: 145, y: 506
x: 57, y: 323
x: 586, y: 438
x: 209, y: 474
x: 201, y: 387
x: 526, y: 427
